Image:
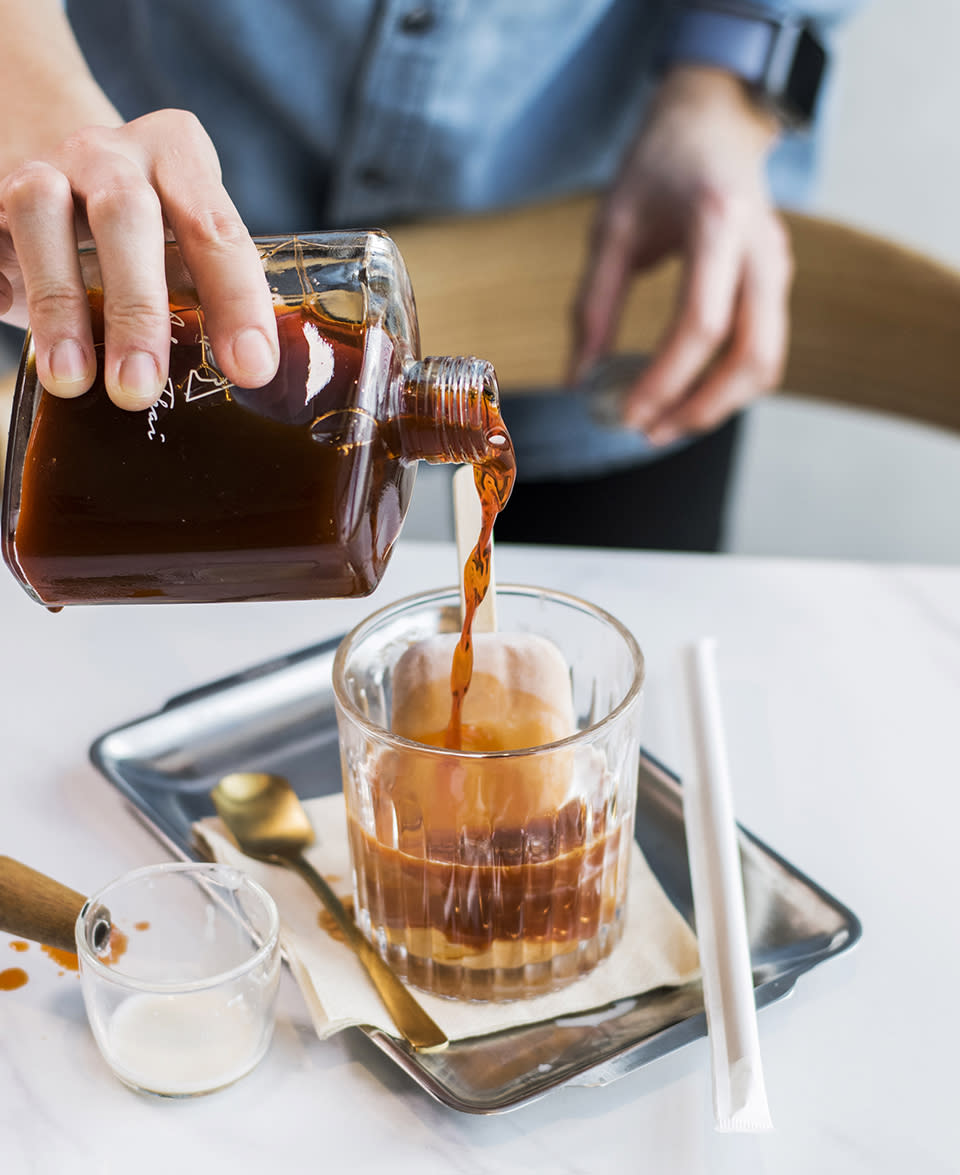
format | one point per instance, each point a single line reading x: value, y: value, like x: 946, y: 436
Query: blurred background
x: 828, y: 482
x: 815, y: 480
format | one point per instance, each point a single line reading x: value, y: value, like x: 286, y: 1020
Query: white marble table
x: 841, y: 687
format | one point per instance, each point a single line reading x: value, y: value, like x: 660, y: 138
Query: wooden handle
x: 35, y: 906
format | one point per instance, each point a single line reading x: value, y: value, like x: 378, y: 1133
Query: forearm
x: 779, y: 49
x: 46, y: 90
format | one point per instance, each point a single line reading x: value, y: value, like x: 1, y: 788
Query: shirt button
x: 417, y: 20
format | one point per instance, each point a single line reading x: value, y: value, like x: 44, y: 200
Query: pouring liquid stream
x: 494, y: 481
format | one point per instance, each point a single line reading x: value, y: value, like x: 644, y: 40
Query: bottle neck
x: 450, y: 411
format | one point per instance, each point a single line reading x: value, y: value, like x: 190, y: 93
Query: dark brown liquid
x: 459, y: 920
x: 327, y: 922
x: 117, y: 943
x: 494, y: 481
x: 539, y: 882
x: 66, y: 959
x: 216, y: 493
x: 15, y: 977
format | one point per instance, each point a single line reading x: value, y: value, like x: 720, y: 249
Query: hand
x: 125, y: 187
x: 693, y: 183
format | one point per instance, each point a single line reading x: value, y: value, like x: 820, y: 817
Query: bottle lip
x: 461, y: 393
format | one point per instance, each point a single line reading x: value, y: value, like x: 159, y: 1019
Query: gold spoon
x: 268, y: 822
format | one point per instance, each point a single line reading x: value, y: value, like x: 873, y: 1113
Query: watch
x: 780, y: 58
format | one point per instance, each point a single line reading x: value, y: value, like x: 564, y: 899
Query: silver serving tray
x: 279, y: 716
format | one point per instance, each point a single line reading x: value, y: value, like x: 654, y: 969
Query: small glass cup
x: 181, y: 994
x: 481, y: 874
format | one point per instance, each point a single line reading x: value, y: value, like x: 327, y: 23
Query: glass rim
x: 121, y: 978
x: 452, y: 594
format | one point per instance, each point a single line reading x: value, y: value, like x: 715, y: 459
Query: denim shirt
x: 330, y: 113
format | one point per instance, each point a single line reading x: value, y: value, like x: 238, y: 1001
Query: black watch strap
x: 780, y: 58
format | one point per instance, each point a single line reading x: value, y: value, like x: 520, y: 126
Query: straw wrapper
x: 739, y: 1094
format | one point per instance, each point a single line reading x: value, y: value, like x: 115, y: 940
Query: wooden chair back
x: 873, y: 325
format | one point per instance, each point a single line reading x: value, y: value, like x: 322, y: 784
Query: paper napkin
x: 658, y: 948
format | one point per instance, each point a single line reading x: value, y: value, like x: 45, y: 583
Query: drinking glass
x: 492, y: 874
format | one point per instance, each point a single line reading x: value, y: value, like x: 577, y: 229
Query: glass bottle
x: 291, y: 491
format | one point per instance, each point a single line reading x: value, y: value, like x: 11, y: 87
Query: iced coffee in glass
x: 492, y: 865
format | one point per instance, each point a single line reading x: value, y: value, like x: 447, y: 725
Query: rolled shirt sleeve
x: 737, y: 36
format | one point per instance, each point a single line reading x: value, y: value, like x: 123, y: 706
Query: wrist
x: 39, y: 139
x: 708, y: 92
x: 777, y: 53
x: 42, y: 57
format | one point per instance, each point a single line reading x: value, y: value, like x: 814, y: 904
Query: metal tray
x: 279, y: 716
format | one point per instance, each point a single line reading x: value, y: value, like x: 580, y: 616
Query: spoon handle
x: 36, y: 907
x: 412, y: 1021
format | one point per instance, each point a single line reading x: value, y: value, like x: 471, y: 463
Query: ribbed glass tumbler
x: 489, y: 873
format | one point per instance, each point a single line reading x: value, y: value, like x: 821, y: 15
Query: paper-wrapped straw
x: 739, y: 1094
x: 467, y: 518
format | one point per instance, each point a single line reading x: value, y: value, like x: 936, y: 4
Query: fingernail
x: 255, y: 355
x: 139, y: 378
x: 68, y: 364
